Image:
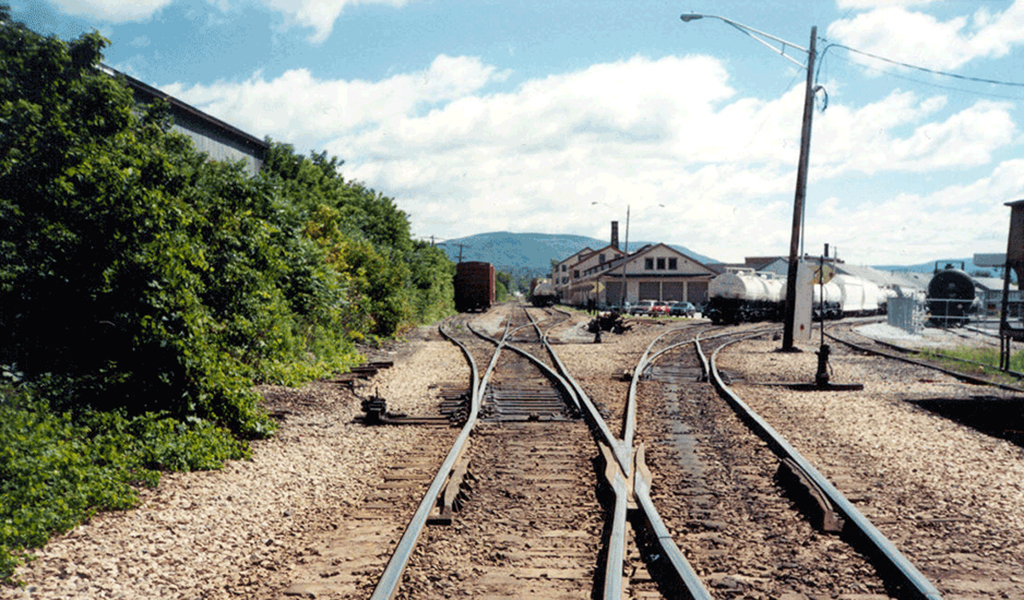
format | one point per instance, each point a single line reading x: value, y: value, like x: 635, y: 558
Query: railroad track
x: 536, y: 525
x: 844, y: 334
x: 533, y: 521
x: 760, y: 542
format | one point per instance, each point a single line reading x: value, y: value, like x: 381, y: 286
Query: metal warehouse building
x: 219, y: 140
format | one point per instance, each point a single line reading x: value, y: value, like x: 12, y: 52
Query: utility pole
x: 798, y: 202
x: 461, y: 246
x: 805, y: 145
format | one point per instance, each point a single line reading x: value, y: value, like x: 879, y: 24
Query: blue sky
x: 553, y: 117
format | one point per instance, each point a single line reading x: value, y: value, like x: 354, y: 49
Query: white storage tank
x: 747, y: 284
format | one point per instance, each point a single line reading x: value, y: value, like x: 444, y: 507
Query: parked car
x: 660, y: 309
x: 682, y: 309
x: 644, y: 307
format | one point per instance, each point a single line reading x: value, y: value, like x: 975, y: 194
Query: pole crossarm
x: 757, y: 35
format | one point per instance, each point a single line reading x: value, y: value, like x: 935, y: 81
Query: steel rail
x: 878, y: 543
x: 390, y: 579
x: 642, y: 480
x: 952, y: 373
x: 617, y: 448
x: 540, y: 364
x: 629, y: 425
x: 684, y: 571
x: 616, y: 475
x: 641, y: 486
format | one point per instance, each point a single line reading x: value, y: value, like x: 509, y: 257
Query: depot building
x: 653, y: 272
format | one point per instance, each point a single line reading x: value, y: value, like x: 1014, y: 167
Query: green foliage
x: 976, y: 361
x: 390, y: 281
x: 57, y: 470
x: 144, y: 288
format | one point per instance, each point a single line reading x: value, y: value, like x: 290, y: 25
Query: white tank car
x: 740, y: 295
x: 747, y: 284
x: 860, y: 297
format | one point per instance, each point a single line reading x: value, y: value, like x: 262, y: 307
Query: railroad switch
x: 821, y: 377
x: 809, y: 497
x: 376, y: 410
x: 822, y: 381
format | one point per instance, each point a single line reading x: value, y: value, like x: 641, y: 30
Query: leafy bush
x: 56, y: 470
x: 144, y: 288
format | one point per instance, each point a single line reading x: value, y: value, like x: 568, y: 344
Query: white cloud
x: 115, y: 11
x: 906, y: 227
x: 697, y: 163
x: 320, y: 15
x: 923, y: 40
x: 303, y: 109
x: 868, y: 4
x: 868, y: 140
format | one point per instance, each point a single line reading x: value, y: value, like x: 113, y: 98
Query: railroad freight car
x: 740, y: 295
x: 951, y: 297
x: 474, y: 286
x: 542, y: 293
x: 860, y: 297
x: 745, y: 295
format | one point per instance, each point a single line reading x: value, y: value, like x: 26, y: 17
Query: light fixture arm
x: 757, y: 35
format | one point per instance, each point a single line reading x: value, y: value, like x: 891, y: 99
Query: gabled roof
x: 576, y: 255
x: 582, y: 258
x: 650, y: 248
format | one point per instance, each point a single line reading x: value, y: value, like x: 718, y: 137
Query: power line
x: 931, y: 84
x: 924, y: 69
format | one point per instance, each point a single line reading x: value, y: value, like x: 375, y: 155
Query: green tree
x: 391, y: 282
x: 102, y: 286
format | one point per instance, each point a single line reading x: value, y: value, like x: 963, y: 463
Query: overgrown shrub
x: 57, y: 470
x: 144, y: 288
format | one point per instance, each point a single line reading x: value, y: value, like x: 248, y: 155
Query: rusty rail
x: 876, y: 541
x: 390, y: 579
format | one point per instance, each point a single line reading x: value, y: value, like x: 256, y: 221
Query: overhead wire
x: 926, y: 69
x: 922, y: 69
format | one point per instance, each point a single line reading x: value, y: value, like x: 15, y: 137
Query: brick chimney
x: 615, y: 235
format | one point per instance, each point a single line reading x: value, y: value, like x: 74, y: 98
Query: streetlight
x: 801, y: 171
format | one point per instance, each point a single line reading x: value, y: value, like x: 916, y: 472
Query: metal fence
x: 906, y: 313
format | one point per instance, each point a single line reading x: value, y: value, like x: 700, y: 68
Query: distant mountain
x: 530, y: 254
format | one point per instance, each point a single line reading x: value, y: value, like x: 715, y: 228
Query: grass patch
x: 58, y: 469
x: 975, y: 361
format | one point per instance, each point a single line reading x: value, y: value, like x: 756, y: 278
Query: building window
x: 661, y: 263
x: 576, y: 273
x: 648, y: 264
x: 673, y: 264
x: 601, y: 258
x: 563, y: 268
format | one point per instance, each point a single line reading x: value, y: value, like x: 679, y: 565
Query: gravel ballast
x: 238, y: 532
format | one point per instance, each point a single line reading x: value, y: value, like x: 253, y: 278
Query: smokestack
x: 615, y: 235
